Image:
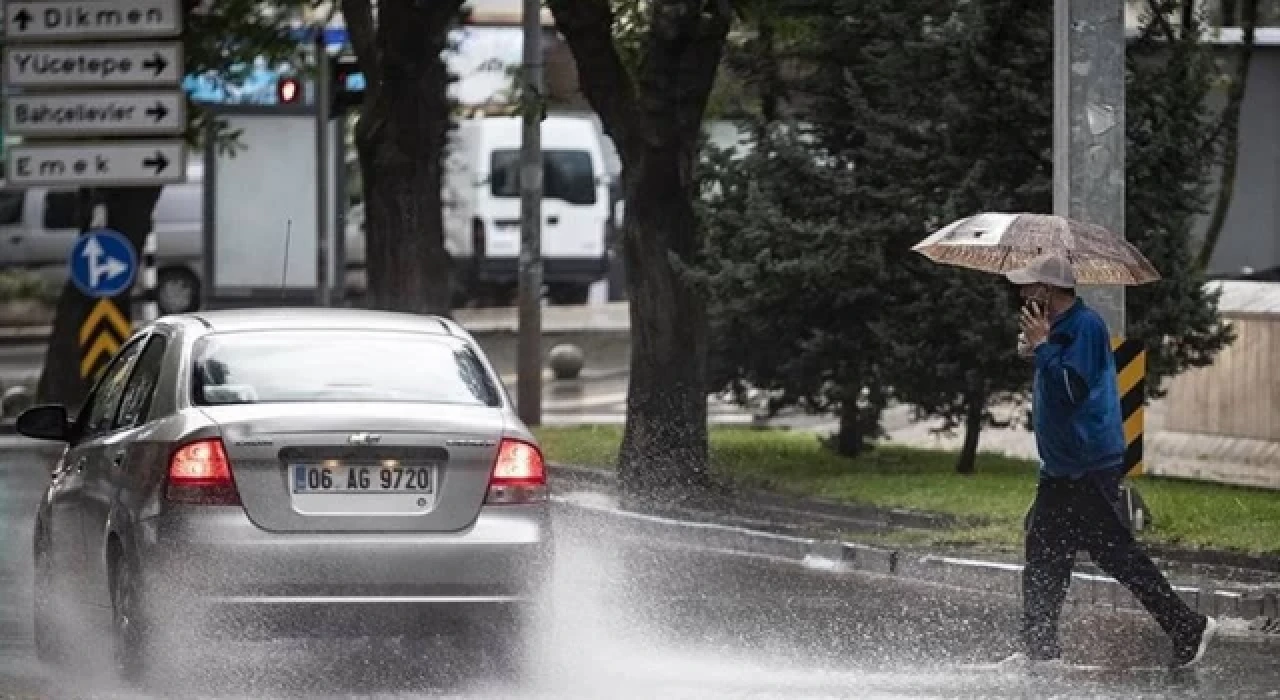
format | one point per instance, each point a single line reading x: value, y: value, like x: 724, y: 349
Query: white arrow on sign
x: 94, y: 114
x: 102, y: 65
x: 97, y: 164
x: 91, y: 19
x: 100, y: 264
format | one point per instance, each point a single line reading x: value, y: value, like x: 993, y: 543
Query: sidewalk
x: 823, y: 534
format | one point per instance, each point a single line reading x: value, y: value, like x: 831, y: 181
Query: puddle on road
x: 602, y: 643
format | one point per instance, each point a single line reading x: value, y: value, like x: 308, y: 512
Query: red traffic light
x: 289, y: 91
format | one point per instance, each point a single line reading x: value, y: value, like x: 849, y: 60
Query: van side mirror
x: 47, y: 422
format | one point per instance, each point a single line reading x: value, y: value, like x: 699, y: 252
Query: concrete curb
x: 25, y: 335
x: 1250, y: 615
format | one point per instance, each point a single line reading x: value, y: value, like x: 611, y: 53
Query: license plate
x: 314, y: 478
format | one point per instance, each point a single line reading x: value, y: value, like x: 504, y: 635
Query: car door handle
x: 16, y: 240
x: 78, y: 466
x: 117, y: 459
x: 553, y: 220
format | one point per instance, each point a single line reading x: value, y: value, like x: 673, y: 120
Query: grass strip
x: 992, y: 501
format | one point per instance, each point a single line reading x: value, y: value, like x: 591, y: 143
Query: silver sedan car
x: 235, y: 471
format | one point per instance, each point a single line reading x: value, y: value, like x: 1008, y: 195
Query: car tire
x: 130, y: 629
x: 177, y: 291
x: 48, y: 640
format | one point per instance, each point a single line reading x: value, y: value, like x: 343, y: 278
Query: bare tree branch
x: 1158, y: 12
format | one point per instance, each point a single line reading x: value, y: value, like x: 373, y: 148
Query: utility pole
x: 528, y: 348
x: 322, y: 92
x: 1088, y: 127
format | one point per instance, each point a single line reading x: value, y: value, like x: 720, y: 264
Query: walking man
x: 1080, y: 436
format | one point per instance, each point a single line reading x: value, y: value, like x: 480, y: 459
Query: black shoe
x: 1190, y: 651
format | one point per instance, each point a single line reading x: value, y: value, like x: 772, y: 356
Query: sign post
x: 90, y: 72
x: 1088, y: 127
x: 529, y: 343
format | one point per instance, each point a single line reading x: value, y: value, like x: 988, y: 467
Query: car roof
x: 278, y: 318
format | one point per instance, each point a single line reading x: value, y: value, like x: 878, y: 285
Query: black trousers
x: 1070, y: 515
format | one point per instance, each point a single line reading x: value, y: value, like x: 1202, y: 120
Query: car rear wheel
x: 48, y: 642
x: 130, y: 635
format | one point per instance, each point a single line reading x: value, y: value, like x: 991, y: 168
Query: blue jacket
x: 1075, y: 404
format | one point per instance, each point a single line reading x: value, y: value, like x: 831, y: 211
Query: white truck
x: 39, y: 226
x: 481, y: 193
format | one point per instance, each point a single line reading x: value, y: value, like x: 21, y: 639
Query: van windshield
x: 566, y: 175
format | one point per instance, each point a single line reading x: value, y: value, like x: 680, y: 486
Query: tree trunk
x: 1231, y: 138
x: 771, y: 89
x: 975, y: 412
x: 129, y: 211
x: 664, y: 448
x: 859, y: 420
x: 849, y: 440
x: 401, y: 139
x: 654, y: 116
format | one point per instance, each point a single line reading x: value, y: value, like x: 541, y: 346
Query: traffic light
x: 288, y: 91
x: 346, y: 83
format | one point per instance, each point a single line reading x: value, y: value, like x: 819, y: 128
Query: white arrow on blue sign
x: 103, y: 263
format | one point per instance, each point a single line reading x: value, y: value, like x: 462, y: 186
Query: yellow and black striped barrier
x: 1131, y: 381
x: 102, y: 333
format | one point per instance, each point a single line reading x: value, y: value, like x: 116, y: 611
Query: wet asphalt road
x: 637, y: 619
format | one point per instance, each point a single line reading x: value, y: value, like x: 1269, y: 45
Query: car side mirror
x: 618, y: 210
x: 47, y: 422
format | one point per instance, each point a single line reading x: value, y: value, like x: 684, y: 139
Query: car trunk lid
x: 325, y: 467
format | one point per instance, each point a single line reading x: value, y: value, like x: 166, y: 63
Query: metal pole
x: 322, y: 92
x: 147, y: 308
x: 340, y: 211
x: 528, y: 349
x: 1088, y: 127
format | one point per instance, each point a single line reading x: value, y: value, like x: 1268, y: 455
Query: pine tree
x: 922, y: 112
x: 983, y: 146
x: 796, y: 296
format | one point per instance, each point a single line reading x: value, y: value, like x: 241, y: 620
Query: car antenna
x: 284, y: 273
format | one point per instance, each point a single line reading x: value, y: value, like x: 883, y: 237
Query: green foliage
x: 796, y: 281
x: 970, y: 133
x: 24, y: 285
x: 630, y: 27
x: 921, y: 113
x: 226, y: 40
x: 989, y: 506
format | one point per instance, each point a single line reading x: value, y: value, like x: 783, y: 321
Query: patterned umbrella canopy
x: 997, y: 242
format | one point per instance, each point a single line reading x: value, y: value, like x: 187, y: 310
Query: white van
x: 39, y: 226
x: 482, y: 205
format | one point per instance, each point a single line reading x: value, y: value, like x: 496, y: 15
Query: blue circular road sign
x: 103, y: 263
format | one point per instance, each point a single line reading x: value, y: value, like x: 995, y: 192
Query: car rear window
x: 337, y: 366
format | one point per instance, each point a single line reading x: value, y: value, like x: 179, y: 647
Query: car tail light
x: 200, y: 473
x: 519, y: 474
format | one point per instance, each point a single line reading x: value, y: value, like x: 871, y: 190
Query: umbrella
x: 998, y: 242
